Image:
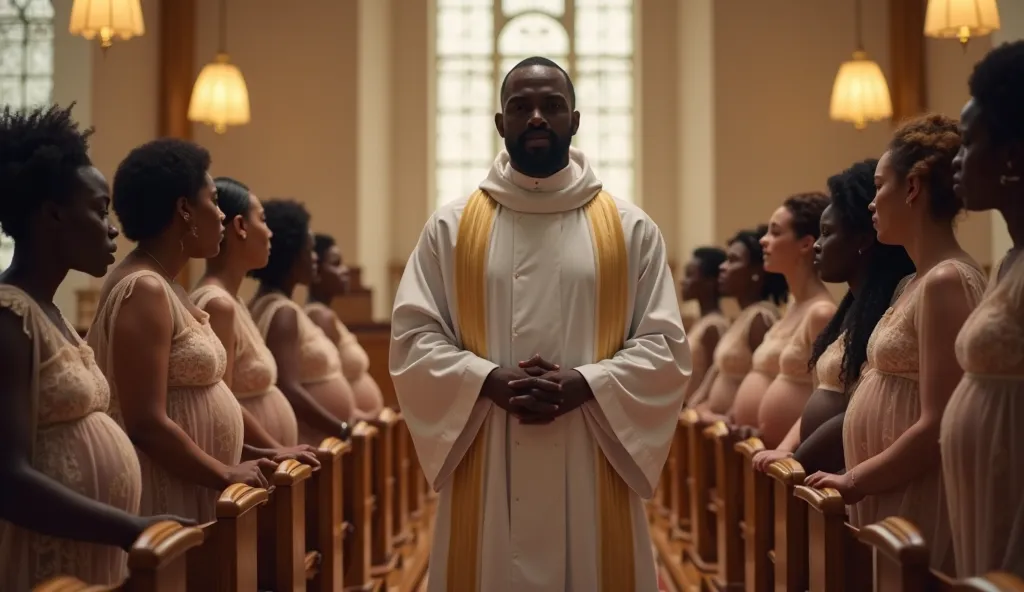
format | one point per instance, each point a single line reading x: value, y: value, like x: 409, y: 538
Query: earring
x: 860, y: 251
x: 185, y: 216
x: 194, y: 233
x: 755, y: 277
x: 244, y: 235
x: 1007, y: 179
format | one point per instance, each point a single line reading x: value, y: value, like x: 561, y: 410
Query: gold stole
x: 614, y: 518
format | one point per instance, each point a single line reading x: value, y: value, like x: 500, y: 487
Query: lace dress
x: 982, y: 448
x: 75, y: 444
x: 254, y: 376
x: 764, y: 368
x: 887, y: 402
x: 355, y: 364
x: 703, y: 360
x: 197, y: 400
x: 733, y: 358
x: 320, y: 363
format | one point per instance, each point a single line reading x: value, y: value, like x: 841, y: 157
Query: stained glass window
x: 26, y: 65
x: 478, y: 41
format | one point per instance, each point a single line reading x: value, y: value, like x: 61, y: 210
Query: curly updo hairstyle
x: 806, y: 209
x: 232, y: 198
x: 997, y: 85
x: 852, y: 190
x: 41, y: 150
x: 288, y: 220
x: 775, y: 287
x: 925, y: 147
x: 149, y: 181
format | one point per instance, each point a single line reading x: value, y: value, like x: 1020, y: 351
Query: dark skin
x: 839, y: 257
x: 73, y: 234
x: 704, y: 289
x: 537, y: 120
x: 283, y: 342
x: 736, y: 278
x: 980, y: 167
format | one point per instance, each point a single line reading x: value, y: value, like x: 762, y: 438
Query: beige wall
x: 733, y: 112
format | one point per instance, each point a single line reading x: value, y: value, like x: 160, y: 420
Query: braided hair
x: 851, y: 192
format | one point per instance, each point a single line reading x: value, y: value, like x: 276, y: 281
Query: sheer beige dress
x: 355, y: 364
x: 197, y: 400
x: 76, y: 444
x: 702, y: 359
x: 733, y: 359
x: 254, y: 376
x: 887, y: 402
x: 764, y: 368
x: 982, y: 446
x: 320, y: 361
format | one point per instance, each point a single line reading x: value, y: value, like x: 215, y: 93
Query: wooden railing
x: 721, y: 525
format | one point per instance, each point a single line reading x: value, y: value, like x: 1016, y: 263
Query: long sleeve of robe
x: 539, y: 524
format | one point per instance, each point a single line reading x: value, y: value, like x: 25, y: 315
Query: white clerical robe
x: 537, y: 522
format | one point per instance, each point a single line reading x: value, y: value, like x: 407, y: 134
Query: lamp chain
x: 859, y: 40
x: 223, y: 40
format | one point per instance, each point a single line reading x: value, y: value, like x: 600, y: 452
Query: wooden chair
x: 156, y: 563
x: 227, y: 560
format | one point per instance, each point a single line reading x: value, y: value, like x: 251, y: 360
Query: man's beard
x: 539, y: 163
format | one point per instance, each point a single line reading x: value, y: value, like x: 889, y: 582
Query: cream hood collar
x: 568, y: 189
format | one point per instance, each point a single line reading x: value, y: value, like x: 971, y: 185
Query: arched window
x: 26, y: 65
x: 478, y: 41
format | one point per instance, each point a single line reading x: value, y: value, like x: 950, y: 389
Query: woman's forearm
x: 309, y: 411
x: 823, y: 448
x: 35, y: 502
x: 792, y: 439
x: 171, y: 448
x: 913, y: 454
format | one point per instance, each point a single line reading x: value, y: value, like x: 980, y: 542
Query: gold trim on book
x: 615, y: 522
x: 472, y: 248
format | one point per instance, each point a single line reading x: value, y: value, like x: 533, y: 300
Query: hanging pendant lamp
x: 220, y: 97
x: 860, y: 94
x: 106, y: 19
x: 962, y: 19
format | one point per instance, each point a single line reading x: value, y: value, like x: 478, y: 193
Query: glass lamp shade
x: 860, y: 93
x: 220, y: 97
x: 107, y: 19
x: 961, y: 19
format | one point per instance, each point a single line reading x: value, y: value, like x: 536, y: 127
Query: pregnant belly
x: 335, y: 395
x: 780, y: 407
x: 748, y: 398
x: 94, y: 457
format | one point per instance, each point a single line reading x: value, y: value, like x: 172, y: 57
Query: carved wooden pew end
x: 228, y: 559
x: 325, y: 523
x: 701, y: 550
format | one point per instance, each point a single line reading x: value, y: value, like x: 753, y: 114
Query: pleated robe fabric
x: 559, y: 268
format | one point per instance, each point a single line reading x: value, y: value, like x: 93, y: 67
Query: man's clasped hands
x: 537, y: 391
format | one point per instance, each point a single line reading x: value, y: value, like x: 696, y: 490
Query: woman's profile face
x: 837, y: 250
x: 84, y: 235
x: 735, y: 275
x: 206, y: 222
x: 332, y: 273
x: 890, y: 208
x: 258, y: 234
x: 782, y: 250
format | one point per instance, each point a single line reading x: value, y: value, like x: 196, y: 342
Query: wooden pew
x: 789, y: 542
x: 325, y: 524
x: 283, y: 560
x: 385, y: 562
x: 727, y: 501
x: 757, y: 527
x: 701, y: 552
x: 837, y: 561
x: 227, y: 561
x: 358, y: 509
x: 157, y: 562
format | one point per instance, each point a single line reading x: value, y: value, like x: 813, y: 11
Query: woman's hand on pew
x: 251, y: 472
x: 763, y: 458
x: 144, y: 522
x: 845, y: 484
x: 304, y: 453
